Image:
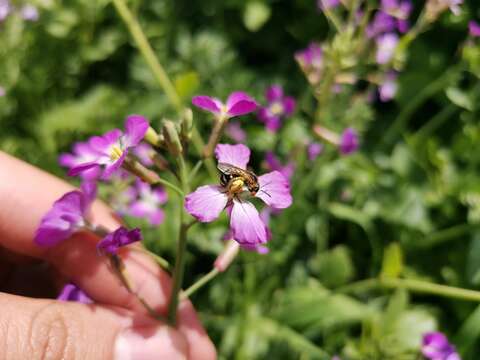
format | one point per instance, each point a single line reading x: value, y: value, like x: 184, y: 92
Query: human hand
x: 117, y: 325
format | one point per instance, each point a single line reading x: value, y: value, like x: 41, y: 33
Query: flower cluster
x: 247, y: 228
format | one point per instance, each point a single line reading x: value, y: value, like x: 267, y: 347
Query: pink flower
x: 386, y: 45
x: 278, y: 106
x: 207, y: 202
x: 388, y: 89
x: 310, y: 58
x: 145, y: 202
x: 111, y: 149
x: 435, y: 346
x: 349, y: 142
x: 67, y: 216
x: 29, y: 13
x: 235, y: 132
x: 313, y: 150
x: 474, y: 28
x: 327, y: 4
x: 143, y: 152
x: 238, y: 103
x: 2, y: 91
x: 117, y: 239
x: 274, y: 164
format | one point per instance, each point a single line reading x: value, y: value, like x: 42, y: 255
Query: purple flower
x: 279, y: 106
x: 274, y: 164
x: 435, y: 346
x: 71, y: 292
x: 313, y: 150
x: 349, y: 142
x: 474, y: 28
x: 2, y: 91
x: 399, y: 9
x: 388, y: 89
x: 381, y: 23
x: 235, y: 132
x: 327, y: 4
x: 143, y: 152
x: 207, y: 202
x: 146, y: 202
x: 311, y: 57
x: 29, y: 13
x: 82, y: 153
x: 67, y: 215
x: 238, y: 103
x: 112, y: 148
x: 117, y: 239
x: 386, y: 45
x: 5, y: 9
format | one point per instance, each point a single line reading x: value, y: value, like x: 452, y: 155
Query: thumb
x: 48, y: 329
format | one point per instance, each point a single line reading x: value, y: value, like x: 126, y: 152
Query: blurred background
x: 405, y: 205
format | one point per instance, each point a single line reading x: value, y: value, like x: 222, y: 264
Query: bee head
x: 253, y: 188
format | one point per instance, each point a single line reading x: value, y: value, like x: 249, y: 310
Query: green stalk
x: 200, y: 283
x: 148, y: 53
x: 418, y: 286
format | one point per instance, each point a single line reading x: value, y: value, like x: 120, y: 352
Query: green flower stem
x: 149, y: 176
x: 214, y: 137
x: 200, y: 283
x: 179, y: 268
x: 418, y: 286
x: 160, y: 74
x: 148, y: 53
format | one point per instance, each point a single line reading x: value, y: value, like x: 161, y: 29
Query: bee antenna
x: 266, y: 193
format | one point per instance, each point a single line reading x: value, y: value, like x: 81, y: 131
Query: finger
x: 47, y: 329
x: 76, y: 258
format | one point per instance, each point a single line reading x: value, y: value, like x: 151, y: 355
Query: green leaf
x: 392, y: 265
x: 468, y: 333
x: 256, y: 15
x: 459, y: 98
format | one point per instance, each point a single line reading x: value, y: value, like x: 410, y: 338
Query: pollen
x: 276, y: 108
x: 115, y: 152
x: 236, y: 186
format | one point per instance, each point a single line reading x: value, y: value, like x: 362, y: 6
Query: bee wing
x: 227, y: 169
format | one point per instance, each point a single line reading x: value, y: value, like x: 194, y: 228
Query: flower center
x: 276, y: 108
x: 115, y: 152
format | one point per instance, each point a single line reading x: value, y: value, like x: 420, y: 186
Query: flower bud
x: 172, y: 140
x: 227, y: 255
x: 186, y: 125
x: 152, y: 137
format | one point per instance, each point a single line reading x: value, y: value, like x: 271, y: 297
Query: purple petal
x: 274, y: 190
x: 247, y: 227
x: 235, y: 132
x: 314, y: 149
x: 273, y: 93
x: 349, y: 142
x: 258, y: 248
x: 474, y: 28
x: 89, y: 191
x: 386, y: 45
x: 237, y: 155
x: 273, y: 123
x: 71, y: 292
x: 206, y: 203
x: 111, y: 168
x: 79, y: 169
x: 240, y: 103
x: 136, y: 127
x: 288, y: 105
x: 102, y: 144
x: 207, y: 103
x: 119, y: 238
x: 144, y: 153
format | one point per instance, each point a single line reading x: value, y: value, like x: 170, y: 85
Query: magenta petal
x: 288, y: 105
x: 135, y: 128
x: 111, y: 168
x: 102, y: 144
x: 273, y: 123
x: 242, y: 107
x: 206, y: 203
x: 207, y: 103
x: 237, y: 155
x: 247, y: 227
x: 274, y: 92
x: 71, y: 292
x: 275, y: 190
x: 119, y: 238
x: 236, y: 97
x: 76, y: 170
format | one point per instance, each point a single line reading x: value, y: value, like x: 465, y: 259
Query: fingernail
x: 150, y: 342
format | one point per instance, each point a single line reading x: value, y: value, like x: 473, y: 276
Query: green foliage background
x: 408, y: 208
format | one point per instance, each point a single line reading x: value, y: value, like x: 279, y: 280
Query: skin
x: 117, y: 325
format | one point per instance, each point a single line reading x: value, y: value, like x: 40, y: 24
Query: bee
x: 234, y: 179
